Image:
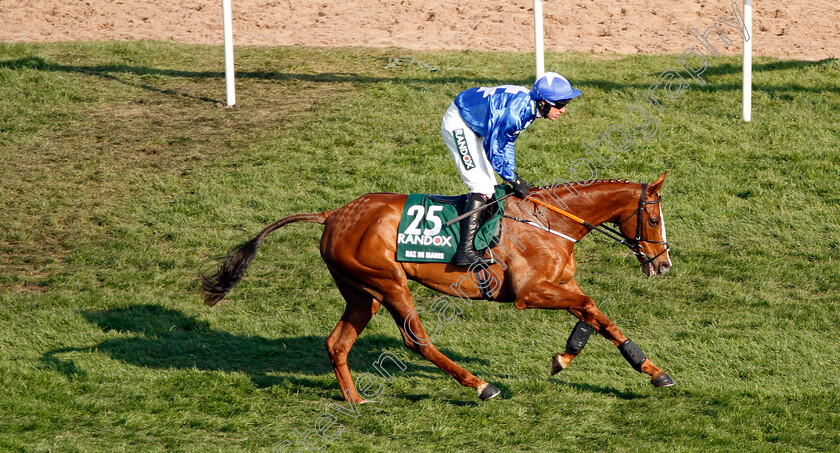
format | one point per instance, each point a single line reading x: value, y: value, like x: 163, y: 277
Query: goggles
x: 558, y: 104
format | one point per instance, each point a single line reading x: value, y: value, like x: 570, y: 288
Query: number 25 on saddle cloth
x: 423, y: 236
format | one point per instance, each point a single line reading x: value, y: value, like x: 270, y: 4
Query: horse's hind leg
x: 357, y: 314
x: 401, y: 307
x: 408, y: 341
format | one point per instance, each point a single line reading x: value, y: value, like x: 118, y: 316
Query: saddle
x: 423, y: 235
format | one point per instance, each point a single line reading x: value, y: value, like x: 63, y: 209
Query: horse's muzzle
x: 652, y: 268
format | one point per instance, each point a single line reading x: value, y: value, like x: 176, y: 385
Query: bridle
x: 635, y: 244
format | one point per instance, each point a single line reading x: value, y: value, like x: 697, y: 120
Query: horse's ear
x: 656, y: 185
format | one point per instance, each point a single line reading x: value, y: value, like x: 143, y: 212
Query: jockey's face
x: 554, y: 113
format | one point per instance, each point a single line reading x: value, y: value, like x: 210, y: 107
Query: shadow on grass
x: 165, y: 338
x: 605, y: 390
x: 109, y: 71
x: 112, y: 72
x: 726, y: 68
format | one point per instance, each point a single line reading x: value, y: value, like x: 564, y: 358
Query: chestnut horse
x: 534, y: 267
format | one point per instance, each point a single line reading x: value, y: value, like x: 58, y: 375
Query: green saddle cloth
x: 423, y: 236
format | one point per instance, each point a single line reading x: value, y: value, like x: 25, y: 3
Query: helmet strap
x: 544, y: 107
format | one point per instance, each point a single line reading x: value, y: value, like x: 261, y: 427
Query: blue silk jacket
x: 499, y: 115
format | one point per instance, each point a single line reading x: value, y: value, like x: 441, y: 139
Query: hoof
x: 557, y: 364
x: 663, y: 380
x: 487, y: 391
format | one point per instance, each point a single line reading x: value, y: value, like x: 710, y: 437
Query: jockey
x: 479, y: 129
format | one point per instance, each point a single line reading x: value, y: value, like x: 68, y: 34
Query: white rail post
x: 538, y: 37
x: 747, y: 65
x: 230, y: 90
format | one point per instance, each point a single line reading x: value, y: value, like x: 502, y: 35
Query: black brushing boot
x: 467, y: 254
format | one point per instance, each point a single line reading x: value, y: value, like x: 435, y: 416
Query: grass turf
x: 121, y: 175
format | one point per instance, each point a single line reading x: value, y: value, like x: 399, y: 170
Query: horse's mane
x: 583, y: 183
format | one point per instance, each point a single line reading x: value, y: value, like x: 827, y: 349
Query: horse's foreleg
x: 631, y: 352
x: 574, y: 345
x: 553, y: 297
x: 571, y: 297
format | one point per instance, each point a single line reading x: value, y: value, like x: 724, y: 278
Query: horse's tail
x: 233, y: 266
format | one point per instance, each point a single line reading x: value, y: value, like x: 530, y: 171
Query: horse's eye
x: 653, y: 222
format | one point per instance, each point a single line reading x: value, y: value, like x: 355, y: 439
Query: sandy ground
x: 792, y: 29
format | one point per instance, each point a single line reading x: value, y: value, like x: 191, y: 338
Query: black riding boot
x: 467, y: 253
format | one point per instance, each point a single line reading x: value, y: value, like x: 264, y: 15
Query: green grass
x: 121, y: 175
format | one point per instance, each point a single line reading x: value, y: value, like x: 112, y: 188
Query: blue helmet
x: 552, y: 87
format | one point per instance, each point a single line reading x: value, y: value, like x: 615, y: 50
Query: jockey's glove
x: 520, y: 187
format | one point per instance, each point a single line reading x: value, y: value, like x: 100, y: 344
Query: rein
x: 633, y: 244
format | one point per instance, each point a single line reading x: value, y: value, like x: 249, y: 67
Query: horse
x: 533, y: 266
